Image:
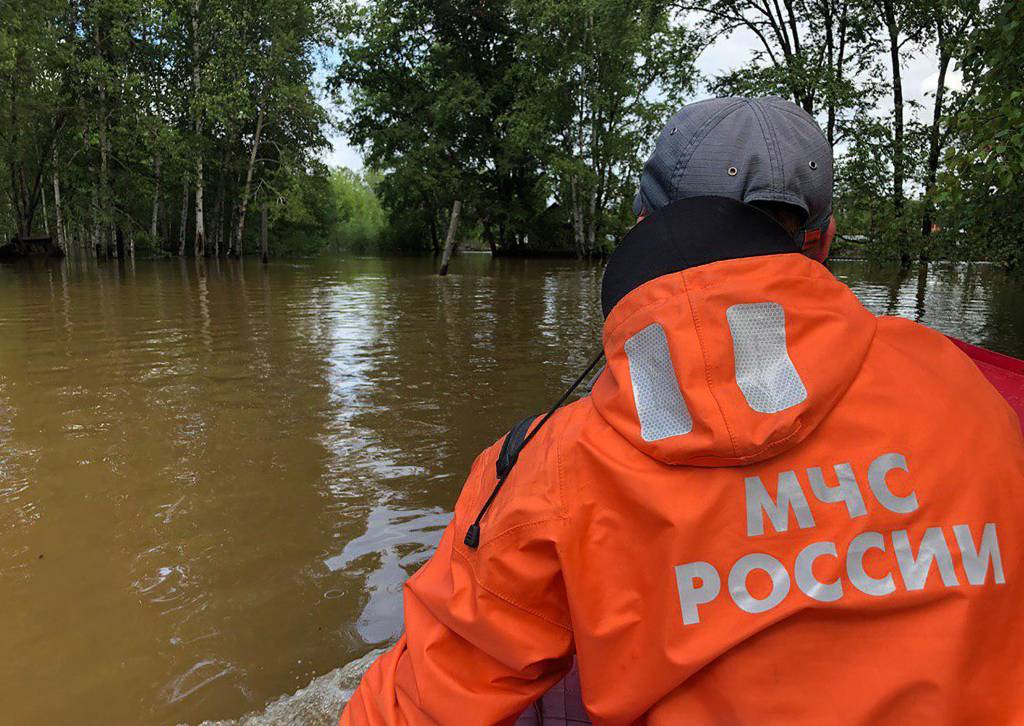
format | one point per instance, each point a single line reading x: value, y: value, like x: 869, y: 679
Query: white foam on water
x: 318, y: 704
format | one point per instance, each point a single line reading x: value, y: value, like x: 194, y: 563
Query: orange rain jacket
x: 773, y: 508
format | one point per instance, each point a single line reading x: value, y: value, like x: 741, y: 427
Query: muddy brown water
x: 214, y: 477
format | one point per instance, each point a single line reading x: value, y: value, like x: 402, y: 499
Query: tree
x: 949, y: 22
x: 983, y: 183
x: 426, y: 88
x: 35, y: 81
x: 505, y: 105
x: 819, y: 53
x: 126, y: 106
x: 589, y: 71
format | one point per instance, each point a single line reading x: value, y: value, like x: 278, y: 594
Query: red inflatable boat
x: 1004, y: 372
x: 563, y: 704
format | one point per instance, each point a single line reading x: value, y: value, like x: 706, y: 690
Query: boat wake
x: 317, y: 704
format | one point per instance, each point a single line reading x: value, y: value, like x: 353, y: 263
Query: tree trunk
x: 217, y: 237
x: 183, y: 229
x: 155, y: 218
x: 435, y: 243
x: 18, y: 192
x: 889, y: 16
x: 264, y: 248
x: 58, y: 212
x: 46, y: 215
x: 897, y: 149
x: 103, y: 217
x: 97, y: 240
x: 449, y: 242
x: 577, y: 219
x: 592, y: 231
x: 243, y: 204
x: 489, y: 237
x: 103, y: 212
x: 200, y: 238
x: 934, y: 145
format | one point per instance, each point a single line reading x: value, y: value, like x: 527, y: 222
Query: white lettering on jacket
x: 866, y: 561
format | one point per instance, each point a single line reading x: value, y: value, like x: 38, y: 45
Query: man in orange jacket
x: 774, y: 507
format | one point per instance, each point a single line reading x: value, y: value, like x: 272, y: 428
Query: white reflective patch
x: 764, y: 371
x: 659, y: 402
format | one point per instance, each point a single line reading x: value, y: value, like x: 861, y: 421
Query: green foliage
x: 119, y: 104
x: 535, y: 114
x: 982, y: 188
x: 304, y: 219
x: 506, y: 106
x: 361, y: 219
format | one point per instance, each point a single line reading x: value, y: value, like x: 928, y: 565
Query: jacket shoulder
x: 941, y: 367
x: 533, y: 493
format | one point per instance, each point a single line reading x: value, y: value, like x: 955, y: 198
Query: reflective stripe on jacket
x: 773, y: 508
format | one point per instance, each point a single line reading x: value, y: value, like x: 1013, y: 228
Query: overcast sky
x: 920, y: 74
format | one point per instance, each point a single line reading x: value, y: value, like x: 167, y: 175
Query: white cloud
x: 954, y: 81
x: 342, y: 153
x: 919, y: 70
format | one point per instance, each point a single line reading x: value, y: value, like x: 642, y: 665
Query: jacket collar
x: 689, y: 233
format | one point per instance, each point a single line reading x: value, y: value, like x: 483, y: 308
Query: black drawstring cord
x: 473, y: 533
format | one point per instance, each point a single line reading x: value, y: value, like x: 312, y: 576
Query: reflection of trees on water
x: 450, y: 365
x: 977, y: 302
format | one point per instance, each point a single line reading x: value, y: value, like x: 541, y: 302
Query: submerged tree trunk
x: 264, y: 243
x: 592, y: 231
x: 183, y: 229
x: 57, y: 211
x: 46, y: 215
x: 449, y: 242
x: 243, y: 204
x: 218, y: 211
x: 489, y: 237
x: 103, y: 207
x: 200, y: 238
x: 155, y: 218
x: 435, y: 243
x: 897, y: 148
x: 577, y: 218
x: 96, y: 239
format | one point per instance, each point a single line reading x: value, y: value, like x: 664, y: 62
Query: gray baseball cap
x: 748, y: 149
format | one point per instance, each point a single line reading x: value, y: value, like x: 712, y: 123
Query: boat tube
x: 1002, y: 371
